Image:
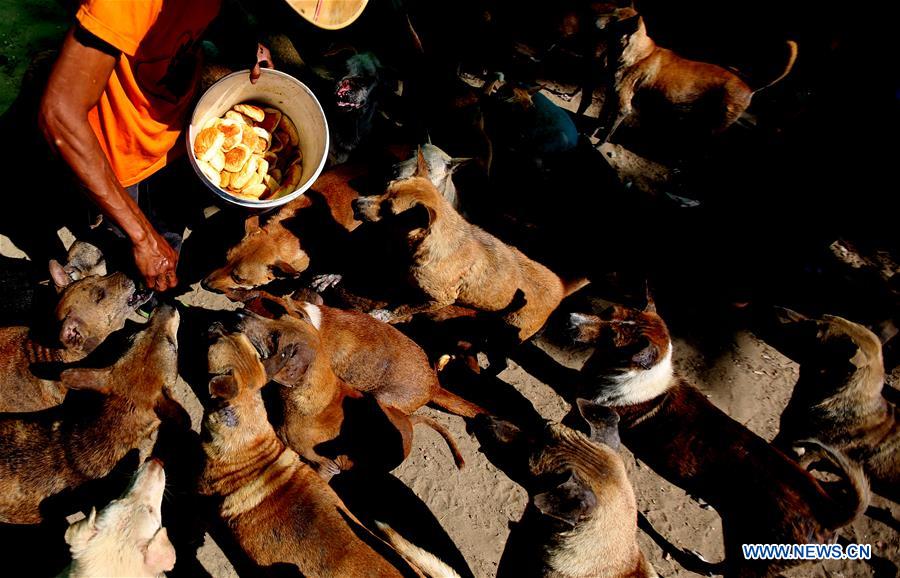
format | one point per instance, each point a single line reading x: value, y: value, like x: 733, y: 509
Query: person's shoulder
x: 120, y: 24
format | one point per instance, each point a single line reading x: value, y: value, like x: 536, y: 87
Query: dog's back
x: 762, y: 495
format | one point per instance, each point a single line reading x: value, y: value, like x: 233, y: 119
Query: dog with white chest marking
x: 762, y: 496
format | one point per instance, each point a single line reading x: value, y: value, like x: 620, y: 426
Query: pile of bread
x: 251, y: 152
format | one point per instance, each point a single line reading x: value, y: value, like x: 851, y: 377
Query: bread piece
x: 225, y: 177
x: 289, y: 131
x: 250, y: 140
x: 207, y: 143
x: 236, y: 159
x: 209, y: 172
x: 218, y: 161
x: 264, y: 137
x: 250, y: 110
x: 292, y: 178
x: 271, y: 183
x: 238, y: 117
x: 271, y: 120
x: 271, y: 158
x: 233, y: 132
x: 254, y: 191
x: 276, y: 145
x: 275, y: 174
x: 248, y: 172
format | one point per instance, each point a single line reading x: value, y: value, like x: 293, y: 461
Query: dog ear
x: 650, y: 304
x: 647, y: 355
x: 288, y: 268
x: 457, y: 162
x: 416, y: 217
x: 421, y: 165
x: 87, y: 379
x: 159, y: 556
x: 58, y: 274
x: 570, y: 502
x: 288, y: 366
x: 584, y: 328
x: 501, y: 430
x: 223, y: 387
x: 628, y: 21
x: 251, y: 224
x: 603, y: 421
x: 785, y: 316
x: 81, y: 532
x: 307, y: 295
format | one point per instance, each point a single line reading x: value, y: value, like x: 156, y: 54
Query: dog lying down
x: 127, y: 537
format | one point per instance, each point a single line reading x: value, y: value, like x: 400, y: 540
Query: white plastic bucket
x: 278, y: 90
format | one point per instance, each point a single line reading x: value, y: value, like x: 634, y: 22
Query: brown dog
x: 581, y: 519
x: 326, y: 421
x: 838, y: 396
x: 762, y: 496
x: 455, y: 262
x: 712, y: 96
x: 371, y: 356
x: 277, y: 507
x: 90, y: 308
x: 46, y: 452
x: 274, y: 250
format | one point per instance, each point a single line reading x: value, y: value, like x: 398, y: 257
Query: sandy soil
x: 746, y: 378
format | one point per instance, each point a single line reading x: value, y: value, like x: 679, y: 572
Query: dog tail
x: 424, y: 561
x: 841, y: 512
x: 572, y: 285
x: 451, y: 443
x: 456, y: 404
x: 792, y: 46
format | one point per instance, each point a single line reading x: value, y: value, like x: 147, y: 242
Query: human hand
x: 156, y: 260
x: 263, y: 60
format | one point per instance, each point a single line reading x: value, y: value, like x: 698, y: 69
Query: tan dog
x: 46, y: 452
x: 712, y: 96
x: 279, y: 510
x: 90, y: 308
x: 371, y: 356
x: 455, y: 262
x: 581, y: 519
x: 274, y: 250
x: 838, y: 397
x: 762, y: 496
x: 127, y: 537
x: 322, y: 418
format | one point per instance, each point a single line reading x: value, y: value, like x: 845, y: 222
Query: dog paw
x: 326, y: 281
x: 327, y: 469
x: 382, y: 315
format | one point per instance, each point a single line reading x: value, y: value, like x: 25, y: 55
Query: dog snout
x: 344, y: 87
x: 365, y: 209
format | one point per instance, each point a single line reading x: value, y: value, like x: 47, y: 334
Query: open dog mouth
x: 349, y: 105
x: 139, y: 297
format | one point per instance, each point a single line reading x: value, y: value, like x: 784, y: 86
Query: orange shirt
x: 140, y: 115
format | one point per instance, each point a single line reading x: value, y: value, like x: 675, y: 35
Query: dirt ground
x: 745, y: 377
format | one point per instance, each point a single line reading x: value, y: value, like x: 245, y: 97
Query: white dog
x: 126, y: 539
